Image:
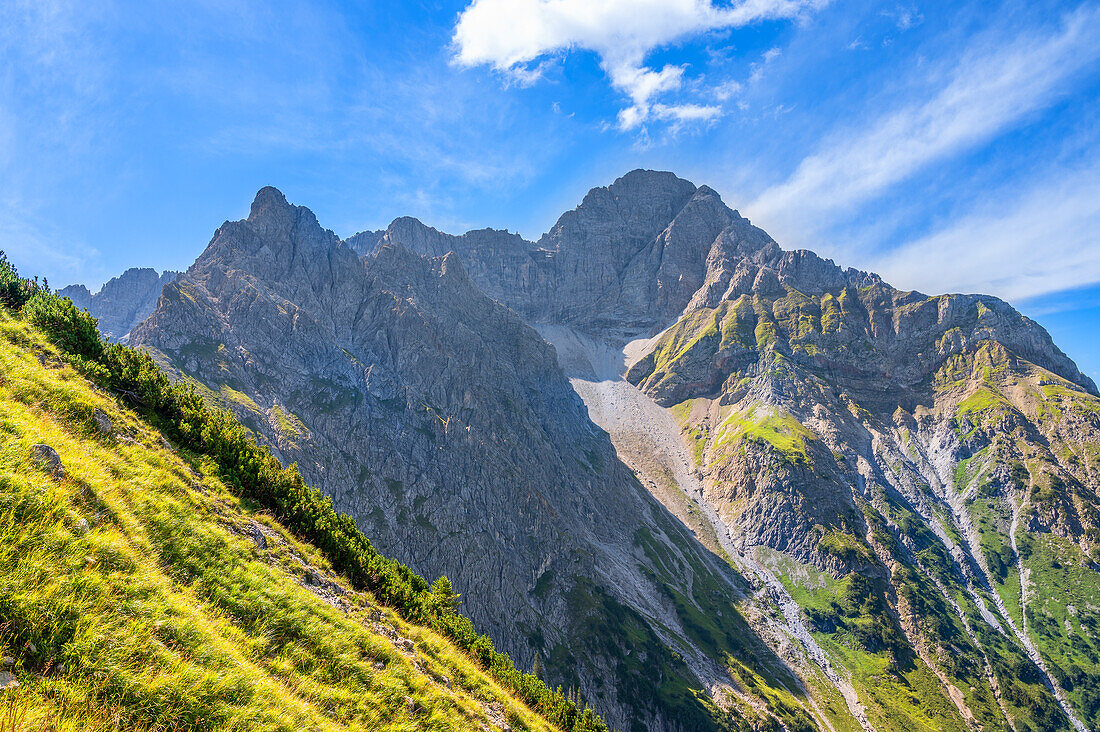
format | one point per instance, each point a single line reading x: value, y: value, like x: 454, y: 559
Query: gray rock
x: 440, y: 420
x: 7, y: 681
x: 102, y: 422
x: 46, y: 458
x: 258, y: 537
x: 122, y: 302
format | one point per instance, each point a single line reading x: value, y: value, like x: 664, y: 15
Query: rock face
x: 894, y: 461
x: 877, y: 509
x: 443, y: 424
x: 102, y: 422
x: 123, y: 302
x: 628, y: 259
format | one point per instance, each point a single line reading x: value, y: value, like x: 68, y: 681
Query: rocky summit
x: 123, y: 302
x: 701, y: 481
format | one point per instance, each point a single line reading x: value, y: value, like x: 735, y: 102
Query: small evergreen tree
x: 444, y: 599
x: 14, y: 290
x: 72, y: 329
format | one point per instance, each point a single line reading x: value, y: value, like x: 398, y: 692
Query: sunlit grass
x: 132, y: 598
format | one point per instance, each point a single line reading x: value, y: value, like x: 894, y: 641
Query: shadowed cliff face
x: 905, y: 466
x: 443, y: 424
x: 123, y: 302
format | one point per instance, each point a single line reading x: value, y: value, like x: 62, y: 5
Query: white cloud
x: 1041, y: 241
x: 510, y: 34
x: 990, y: 88
x: 682, y: 113
x: 727, y: 90
x: 760, y: 66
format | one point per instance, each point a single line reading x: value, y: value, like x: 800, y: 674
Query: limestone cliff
x: 443, y: 424
x: 123, y: 302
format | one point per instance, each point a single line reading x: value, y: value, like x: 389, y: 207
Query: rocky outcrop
x: 442, y: 422
x: 123, y: 302
x: 835, y: 422
x: 46, y: 458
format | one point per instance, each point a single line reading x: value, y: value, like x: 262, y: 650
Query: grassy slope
x: 160, y: 615
x: 1062, y: 612
x: 909, y: 697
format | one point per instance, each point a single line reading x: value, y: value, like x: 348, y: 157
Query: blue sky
x: 951, y: 146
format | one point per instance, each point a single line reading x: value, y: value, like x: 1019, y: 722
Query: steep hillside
x: 443, y: 424
x: 137, y: 591
x: 902, y: 474
x: 941, y: 446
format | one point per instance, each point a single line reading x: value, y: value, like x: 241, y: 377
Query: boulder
x: 46, y: 458
x: 103, y: 423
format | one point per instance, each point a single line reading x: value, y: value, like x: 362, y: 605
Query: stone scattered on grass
x: 46, y: 458
x: 102, y: 422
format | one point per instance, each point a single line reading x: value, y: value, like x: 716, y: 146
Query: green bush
x: 14, y: 290
x: 69, y: 328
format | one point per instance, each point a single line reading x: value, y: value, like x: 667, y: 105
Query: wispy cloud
x: 761, y: 66
x: 509, y: 35
x: 33, y: 244
x: 1039, y: 241
x: 686, y: 112
x: 904, y: 17
x: 991, y: 87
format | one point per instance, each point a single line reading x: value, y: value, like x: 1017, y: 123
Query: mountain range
x: 697, y: 479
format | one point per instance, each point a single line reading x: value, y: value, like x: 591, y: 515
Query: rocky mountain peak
x: 277, y: 232
x: 123, y: 301
x: 633, y: 209
x: 365, y: 242
x: 646, y: 184
x: 419, y: 237
x: 269, y: 201
x: 272, y: 215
